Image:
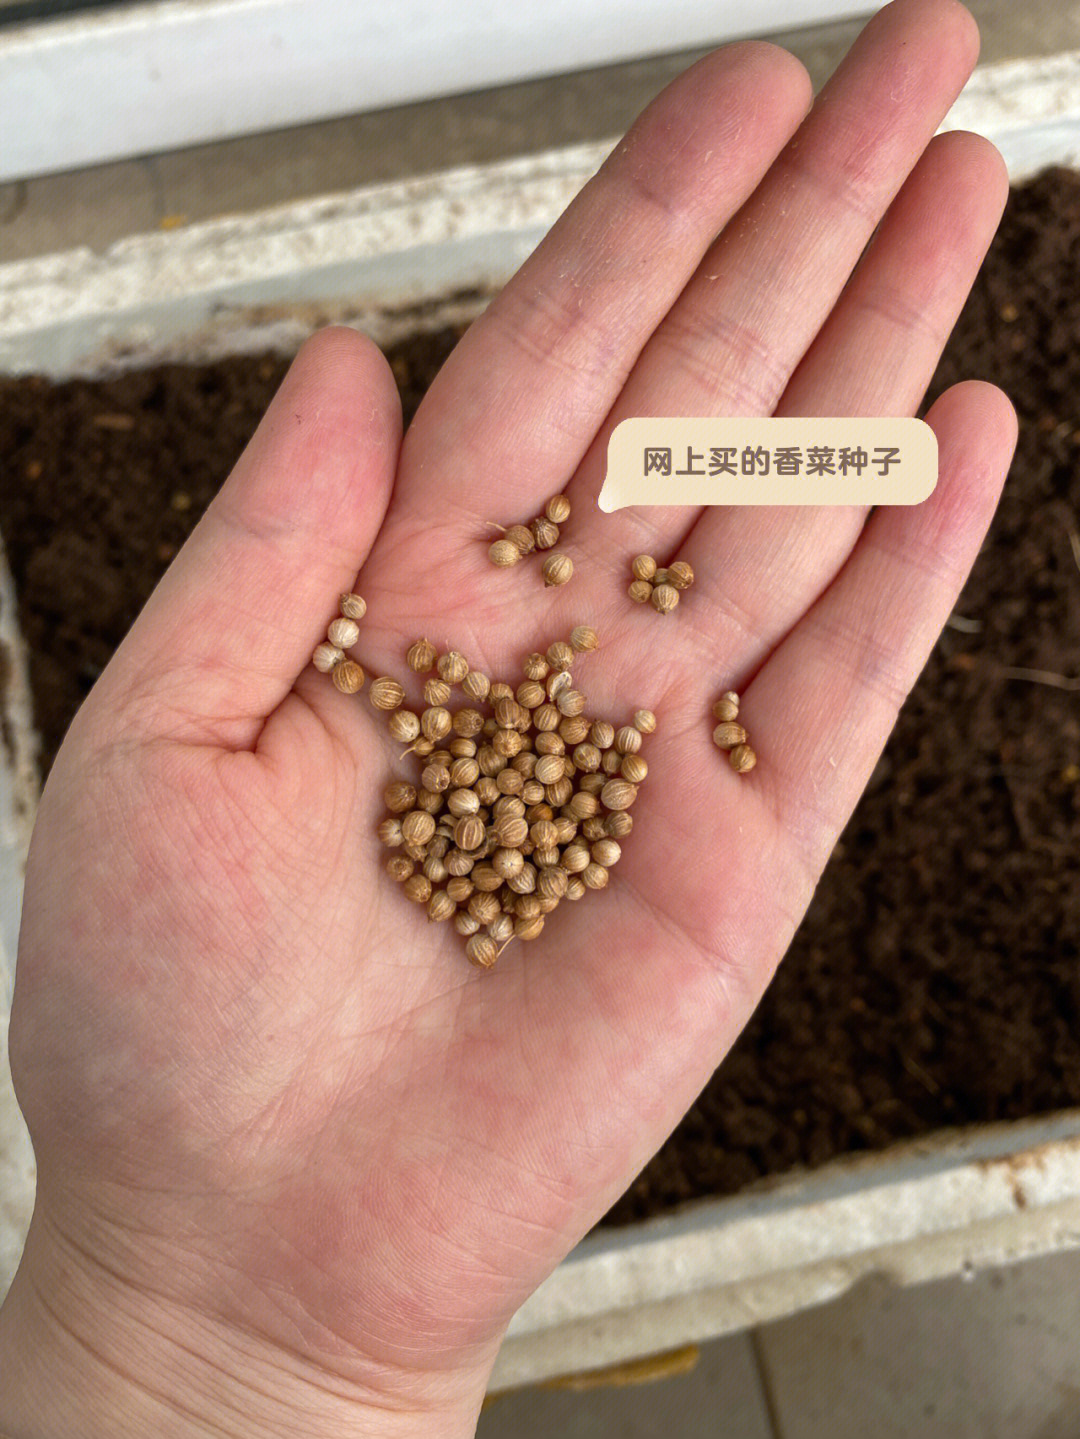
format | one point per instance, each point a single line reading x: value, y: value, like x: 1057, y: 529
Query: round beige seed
x: 418, y: 888
x: 343, y: 633
x: 502, y: 928
x: 435, y: 723
x: 440, y: 907
x: 469, y: 832
x: 680, y: 575
x: 476, y: 685
x: 728, y: 734
x: 645, y: 721
x: 640, y: 591
x: 465, y: 924
x: 452, y: 667
x: 436, y: 692
x: 418, y: 826
x: 664, y: 598
x: 643, y: 567
x: 326, y: 656
x: 421, y: 656
x: 522, y: 537
x: 560, y: 656
x: 507, y: 862
x: 545, y: 532
x: 404, y: 725
x: 583, y: 638
x: 725, y: 711
x: 385, y: 693
x: 352, y: 607
x: 528, y: 928
x: 462, y: 802
x: 549, y: 768
x: 570, y: 702
x: 535, y: 667
x: 557, y: 509
x: 348, y: 676
x: 389, y: 831
x: 660, y: 578
x: 633, y: 768
x: 399, y: 796
x: 504, y: 553
x: 606, y: 852
x: 742, y: 758
x: 557, y: 569
x: 576, y: 888
x: 482, y: 951
x: 399, y: 867
x: 602, y: 734
x: 618, y: 794
x: 619, y: 824
x: 595, y: 876
x: 628, y: 739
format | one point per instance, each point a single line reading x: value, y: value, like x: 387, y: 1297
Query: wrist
x: 84, y: 1352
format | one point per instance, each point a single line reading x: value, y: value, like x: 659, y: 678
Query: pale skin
x: 299, y: 1162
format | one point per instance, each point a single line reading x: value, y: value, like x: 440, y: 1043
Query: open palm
x: 257, y: 1079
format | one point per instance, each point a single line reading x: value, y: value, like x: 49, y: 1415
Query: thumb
x: 234, y: 620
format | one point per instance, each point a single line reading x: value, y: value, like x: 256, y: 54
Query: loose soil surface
x: 936, y: 978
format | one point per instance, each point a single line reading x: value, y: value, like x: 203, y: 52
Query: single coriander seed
x: 404, y: 725
x: 504, y: 553
x: 728, y: 734
x: 645, y: 721
x: 452, y: 667
x: 326, y: 656
x: 421, y: 657
x: 583, y: 638
x: 633, y: 768
x: 385, y: 693
x: 640, y: 592
x: 399, y: 796
x: 557, y: 569
x: 742, y: 758
x: 482, y: 951
x: 602, y: 734
x: 545, y: 532
x: 725, y: 710
x: 557, y: 509
x: 560, y: 656
x: 616, y: 794
x: 352, y: 607
x: 680, y: 574
x: 348, y: 676
x: 435, y: 723
x: 643, y: 567
x: 535, y: 667
x: 660, y: 578
x: 441, y: 907
x: 628, y: 740
x: 522, y: 537
x: 343, y: 633
x: 418, y: 888
x: 664, y: 598
x: 476, y: 685
x: 436, y: 692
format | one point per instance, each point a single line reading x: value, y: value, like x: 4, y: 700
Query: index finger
x: 517, y: 404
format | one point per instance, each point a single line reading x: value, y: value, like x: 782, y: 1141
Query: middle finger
x: 731, y: 342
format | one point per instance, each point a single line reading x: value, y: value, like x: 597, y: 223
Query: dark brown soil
x: 936, y: 978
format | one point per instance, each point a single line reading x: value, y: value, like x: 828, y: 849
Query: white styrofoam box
x: 427, y: 252
x: 138, y: 79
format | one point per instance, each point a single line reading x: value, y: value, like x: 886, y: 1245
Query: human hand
x: 299, y: 1163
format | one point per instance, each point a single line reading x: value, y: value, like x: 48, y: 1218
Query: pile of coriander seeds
x: 520, y: 801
